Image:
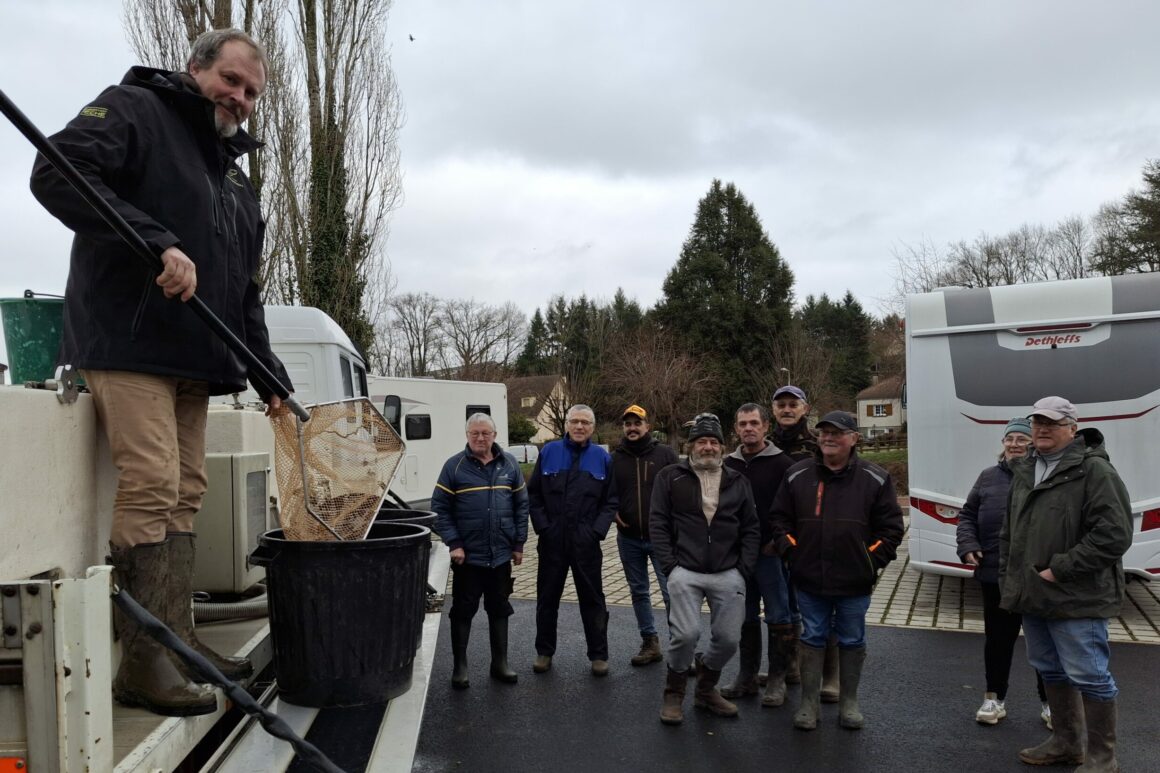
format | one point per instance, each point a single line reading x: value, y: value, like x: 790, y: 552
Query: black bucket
x: 343, y: 615
x: 422, y: 518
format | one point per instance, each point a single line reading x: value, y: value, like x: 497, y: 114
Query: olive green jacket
x: 1078, y: 522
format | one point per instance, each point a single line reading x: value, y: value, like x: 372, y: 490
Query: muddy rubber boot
x: 1065, y: 746
x: 849, y: 675
x: 182, y: 552
x: 831, y: 683
x: 749, y: 660
x: 460, y: 633
x: 650, y: 651
x: 497, y: 628
x: 149, y: 676
x: 793, y: 674
x: 708, y: 697
x: 782, y: 649
x: 1100, y: 718
x: 811, y: 659
x: 675, y: 682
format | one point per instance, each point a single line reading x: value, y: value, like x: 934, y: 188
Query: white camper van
x: 976, y: 358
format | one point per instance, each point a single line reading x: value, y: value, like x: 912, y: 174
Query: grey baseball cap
x: 1055, y: 408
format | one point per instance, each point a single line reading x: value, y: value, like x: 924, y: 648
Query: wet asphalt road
x: 919, y: 695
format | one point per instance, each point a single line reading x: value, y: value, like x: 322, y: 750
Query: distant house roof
x: 886, y: 389
x: 537, y: 387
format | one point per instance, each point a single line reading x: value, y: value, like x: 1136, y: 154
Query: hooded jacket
x: 635, y: 466
x: 1078, y: 523
x: 765, y: 471
x: 150, y: 149
x: 482, y: 508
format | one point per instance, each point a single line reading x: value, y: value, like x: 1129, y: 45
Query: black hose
x: 206, y: 672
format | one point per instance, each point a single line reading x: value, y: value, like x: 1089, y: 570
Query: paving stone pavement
x: 904, y: 598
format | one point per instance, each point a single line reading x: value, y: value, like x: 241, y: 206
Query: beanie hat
x: 1018, y: 424
x: 706, y: 425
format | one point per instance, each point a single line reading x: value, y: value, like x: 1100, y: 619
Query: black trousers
x: 561, y: 549
x: 1001, y: 631
x: 471, y: 583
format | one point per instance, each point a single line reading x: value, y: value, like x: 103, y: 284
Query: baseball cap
x: 1054, y: 408
x: 790, y: 389
x: 841, y: 420
x: 634, y: 410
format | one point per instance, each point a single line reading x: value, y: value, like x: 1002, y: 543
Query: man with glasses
x: 573, y: 502
x: 837, y: 522
x: 1068, y: 525
x: 635, y: 464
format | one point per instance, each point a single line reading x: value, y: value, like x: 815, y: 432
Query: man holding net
x: 160, y: 147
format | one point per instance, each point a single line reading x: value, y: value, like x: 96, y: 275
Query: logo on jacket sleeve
x: 94, y: 112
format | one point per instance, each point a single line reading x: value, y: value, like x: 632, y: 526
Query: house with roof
x: 542, y: 399
x: 881, y: 408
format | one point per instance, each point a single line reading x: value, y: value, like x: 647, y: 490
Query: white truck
x: 976, y: 358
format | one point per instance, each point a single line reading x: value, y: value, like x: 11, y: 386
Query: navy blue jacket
x: 981, y: 520
x: 573, y: 485
x: 482, y: 508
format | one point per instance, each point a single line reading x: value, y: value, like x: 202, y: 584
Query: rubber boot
x: 849, y: 675
x: 793, y: 674
x: 708, y: 697
x: 1065, y: 746
x: 811, y: 659
x: 650, y: 650
x: 460, y: 633
x: 149, y: 676
x: 782, y: 649
x: 749, y: 657
x: 831, y: 682
x: 675, y: 682
x: 497, y: 628
x: 182, y: 552
x: 1100, y: 717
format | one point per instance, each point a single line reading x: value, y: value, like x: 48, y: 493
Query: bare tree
x: 804, y: 361
x: 415, y: 326
x: 481, y: 339
x: 918, y: 268
x: 1070, y: 249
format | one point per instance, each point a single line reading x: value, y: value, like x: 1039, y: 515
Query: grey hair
x: 208, y: 47
x: 580, y: 408
x: 750, y: 408
x: 480, y: 418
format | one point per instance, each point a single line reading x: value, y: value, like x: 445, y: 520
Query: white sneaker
x: 991, y: 711
x: 1045, y: 715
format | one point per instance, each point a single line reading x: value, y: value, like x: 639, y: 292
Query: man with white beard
x: 705, y: 532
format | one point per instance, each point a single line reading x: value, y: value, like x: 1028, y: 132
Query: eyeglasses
x: 834, y: 432
x: 1016, y: 440
x: 580, y: 422
x: 1039, y: 421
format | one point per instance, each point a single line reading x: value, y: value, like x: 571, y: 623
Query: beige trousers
x: 156, y: 431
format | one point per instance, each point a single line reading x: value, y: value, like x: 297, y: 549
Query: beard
x: 226, y: 127
x: 707, y: 460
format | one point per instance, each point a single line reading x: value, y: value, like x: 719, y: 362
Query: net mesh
x: 334, y: 469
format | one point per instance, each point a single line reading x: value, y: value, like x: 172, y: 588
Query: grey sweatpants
x: 725, y: 592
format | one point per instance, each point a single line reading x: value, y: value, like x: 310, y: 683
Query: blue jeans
x: 845, y: 616
x: 1074, y: 651
x: 769, y: 587
x: 635, y: 555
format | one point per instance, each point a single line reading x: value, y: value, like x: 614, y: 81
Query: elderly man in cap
x: 791, y: 432
x: 635, y: 464
x: 705, y: 532
x: 1068, y: 525
x: 837, y: 522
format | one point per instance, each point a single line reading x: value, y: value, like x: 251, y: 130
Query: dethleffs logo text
x: 1070, y: 338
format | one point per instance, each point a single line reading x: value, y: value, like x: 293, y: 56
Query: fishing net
x: 334, y: 470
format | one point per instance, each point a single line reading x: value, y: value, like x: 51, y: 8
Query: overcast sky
x: 562, y: 147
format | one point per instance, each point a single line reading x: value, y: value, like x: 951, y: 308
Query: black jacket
x: 150, y: 148
x: 635, y: 470
x: 837, y: 529
x: 981, y: 519
x: 764, y: 471
x: 682, y: 537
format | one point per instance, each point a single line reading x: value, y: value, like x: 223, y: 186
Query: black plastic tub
x: 403, y: 515
x: 343, y: 615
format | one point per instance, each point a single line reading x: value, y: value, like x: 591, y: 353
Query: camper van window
x: 347, y: 379
x: 361, y: 379
x: 418, y: 426
x: 392, y: 407
x: 474, y: 409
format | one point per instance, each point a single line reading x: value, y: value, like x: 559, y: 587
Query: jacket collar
x: 769, y: 450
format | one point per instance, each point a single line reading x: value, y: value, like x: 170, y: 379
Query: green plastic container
x: 32, y: 331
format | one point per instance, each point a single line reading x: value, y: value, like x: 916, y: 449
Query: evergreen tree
x: 842, y: 328
x: 534, y: 359
x: 728, y: 294
x: 1128, y: 233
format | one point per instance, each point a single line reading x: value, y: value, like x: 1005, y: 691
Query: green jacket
x: 1078, y: 522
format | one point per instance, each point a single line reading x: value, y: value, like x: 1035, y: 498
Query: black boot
x: 749, y: 660
x: 831, y: 681
x: 782, y: 649
x: 460, y: 633
x: 849, y: 676
x: 182, y: 549
x: 149, y: 676
x: 497, y: 628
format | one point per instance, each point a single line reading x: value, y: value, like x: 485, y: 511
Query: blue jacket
x: 573, y: 485
x: 482, y: 508
x: 981, y: 519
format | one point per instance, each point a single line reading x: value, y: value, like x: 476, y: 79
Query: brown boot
x: 149, y: 676
x: 831, y: 684
x: 707, y: 696
x: 1100, y: 717
x: 674, y: 696
x: 749, y: 657
x: 650, y: 650
x: 811, y: 658
x: 1065, y: 745
x: 782, y: 649
x: 182, y: 548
